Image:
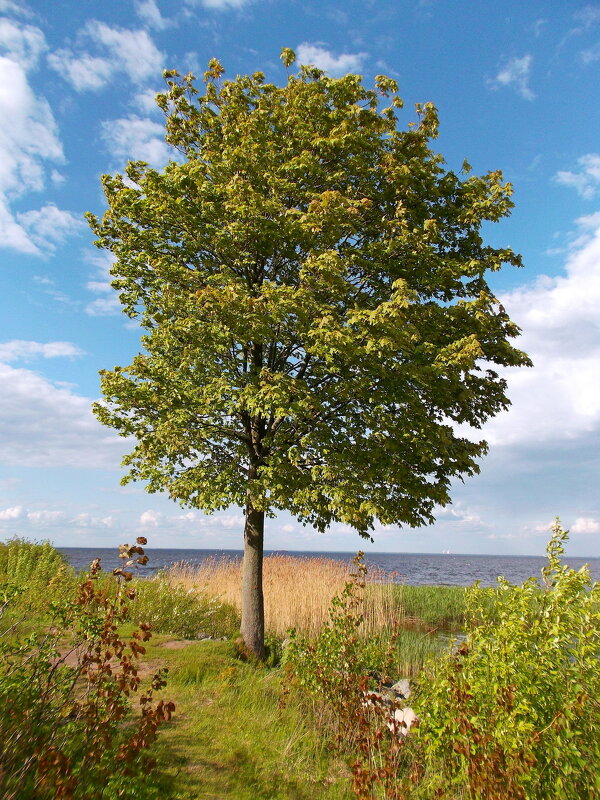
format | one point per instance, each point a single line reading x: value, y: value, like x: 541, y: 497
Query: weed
x: 65, y: 696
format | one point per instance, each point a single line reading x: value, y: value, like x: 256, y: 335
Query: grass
x: 232, y: 737
x: 298, y: 593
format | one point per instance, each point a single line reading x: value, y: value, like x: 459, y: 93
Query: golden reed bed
x: 297, y: 590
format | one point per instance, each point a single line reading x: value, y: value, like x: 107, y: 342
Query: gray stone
x: 401, y: 689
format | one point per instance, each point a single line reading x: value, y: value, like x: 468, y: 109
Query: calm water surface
x: 412, y: 568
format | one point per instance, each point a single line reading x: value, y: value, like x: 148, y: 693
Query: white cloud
x: 11, y: 513
x: 220, y: 5
x: 585, y: 181
x: 145, y: 101
x: 190, y: 516
x: 49, y: 226
x: 559, y: 398
x: 108, y: 302
x: 149, y: 12
x: 44, y: 424
x: 28, y: 139
x: 318, y: 56
x: 459, y: 513
x: 84, y: 72
x: 591, y: 54
x: 585, y: 525
x: 588, y: 16
x: 120, y: 51
x: 45, y: 517
x: 22, y: 350
x: 516, y: 74
x: 150, y: 519
x: 10, y: 6
x: 21, y: 43
x: 86, y: 520
x: 137, y: 138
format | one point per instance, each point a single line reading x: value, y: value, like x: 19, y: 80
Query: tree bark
x: 253, y: 611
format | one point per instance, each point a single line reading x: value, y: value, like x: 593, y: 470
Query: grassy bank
x: 494, y: 712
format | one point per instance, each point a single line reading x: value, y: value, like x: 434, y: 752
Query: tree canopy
x: 312, y: 284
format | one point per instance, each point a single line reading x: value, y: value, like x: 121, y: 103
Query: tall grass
x: 298, y: 592
x: 24, y: 563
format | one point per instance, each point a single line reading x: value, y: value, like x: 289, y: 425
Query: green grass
x: 172, y: 609
x: 440, y: 607
x: 231, y: 737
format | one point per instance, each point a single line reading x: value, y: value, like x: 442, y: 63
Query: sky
x: 516, y: 86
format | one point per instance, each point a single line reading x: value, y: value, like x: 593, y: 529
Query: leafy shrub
x: 170, y: 608
x: 65, y: 696
x: 338, y: 670
x: 515, y: 711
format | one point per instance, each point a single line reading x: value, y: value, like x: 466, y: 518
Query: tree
x: 312, y: 285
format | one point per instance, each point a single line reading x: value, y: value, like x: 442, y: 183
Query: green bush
x: 173, y: 609
x: 66, y: 727
x: 515, y: 712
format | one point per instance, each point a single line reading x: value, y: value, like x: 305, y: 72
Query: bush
x: 65, y: 692
x: 338, y: 670
x: 170, y: 608
x: 515, y: 711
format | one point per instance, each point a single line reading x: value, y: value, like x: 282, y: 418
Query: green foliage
x: 334, y: 667
x: 514, y: 712
x: 339, y: 671
x: 65, y: 695
x: 37, y: 566
x: 170, y: 608
x: 312, y: 283
x: 440, y: 607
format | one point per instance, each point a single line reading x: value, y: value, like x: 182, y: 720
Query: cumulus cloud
x: 13, y: 7
x: 45, y: 517
x: 21, y: 43
x: 457, y: 512
x: 11, y: 513
x: 22, y: 350
x: 118, y: 51
x: 145, y: 101
x: 84, y: 72
x: 44, y: 424
x: 319, y: 56
x: 49, y: 226
x: 150, y: 519
x: 586, y: 180
x: 559, y: 398
x: 585, y: 525
x: 86, y: 520
x: 149, y: 12
x: 137, y: 138
x: 28, y: 141
x: 515, y: 74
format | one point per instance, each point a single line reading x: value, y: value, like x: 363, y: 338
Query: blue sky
x: 516, y: 85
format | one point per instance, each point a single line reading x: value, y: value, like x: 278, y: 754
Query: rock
x: 404, y: 718
x: 401, y: 689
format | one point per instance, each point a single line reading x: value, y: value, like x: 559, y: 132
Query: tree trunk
x: 253, y: 612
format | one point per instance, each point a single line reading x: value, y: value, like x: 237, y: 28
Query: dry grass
x: 298, y: 591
